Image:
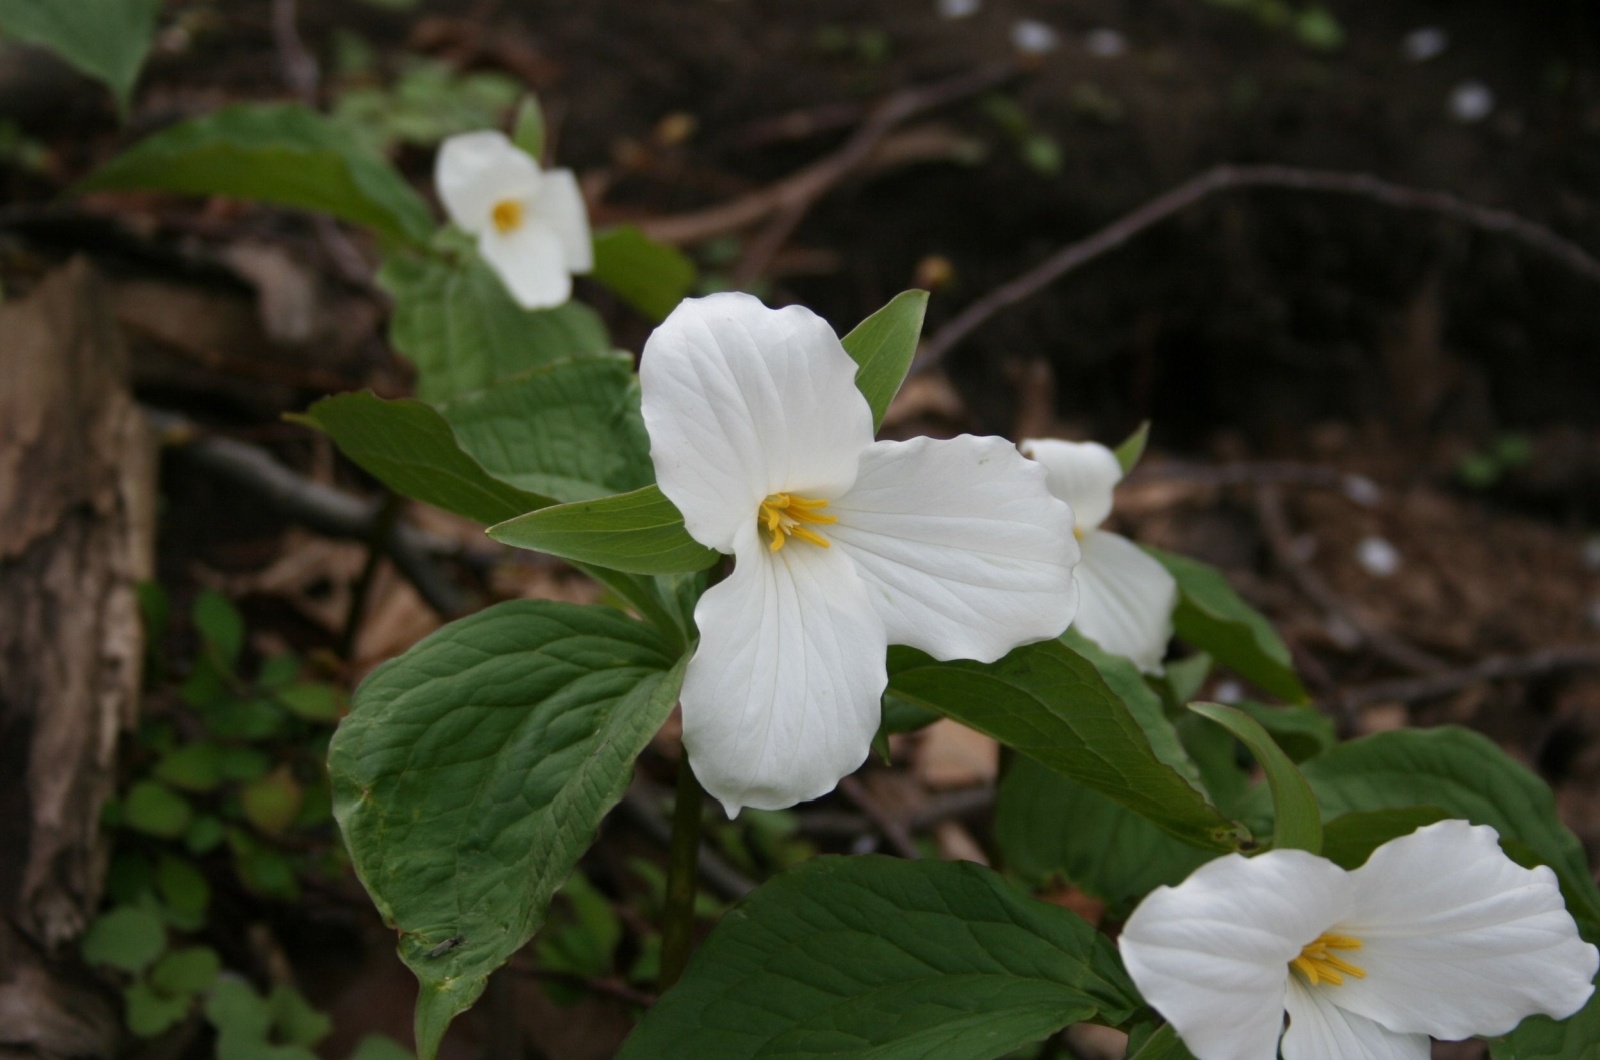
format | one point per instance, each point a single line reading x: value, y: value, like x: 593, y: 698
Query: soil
x: 1454, y: 369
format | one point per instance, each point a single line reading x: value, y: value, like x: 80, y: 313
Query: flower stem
x: 683, y: 871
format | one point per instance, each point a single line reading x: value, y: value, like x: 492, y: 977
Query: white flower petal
x: 742, y: 401
x: 964, y: 552
x: 476, y: 170
x: 1080, y: 473
x: 1125, y: 600
x: 1321, y: 1030
x: 532, y: 264
x: 1212, y: 954
x: 782, y: 697
x: 559, y: 204
x: 1457, y: 939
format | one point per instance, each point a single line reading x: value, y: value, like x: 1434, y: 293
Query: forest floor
x: 1383, y: 424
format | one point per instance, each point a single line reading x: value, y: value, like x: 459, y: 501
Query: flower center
x: 784, y: 514
x: 507, y: 216
x: 1319, y: 965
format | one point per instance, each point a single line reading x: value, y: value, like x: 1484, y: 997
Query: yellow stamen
x: 507, y: 215
x: 783, y: 513
x: 1319, y: 966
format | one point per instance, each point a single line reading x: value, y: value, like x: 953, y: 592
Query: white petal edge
x: 1212, y: 954
x: 531, y: 263
x: 782, y: 697
x: 742, y: 401
x: 560, y: 205
x: 1321, y: 1030
x: 1081, y: 473
x: 1458, y: 940
x: 964, y: 553
x: 1125, y: 600
x: 476, y: 170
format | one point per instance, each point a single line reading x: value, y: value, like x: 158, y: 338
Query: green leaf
x: 272, y: 802
x: 1298, y: 821
x: 1125, y: 680
x: 1300, y: 729
x: 1469, y: 777
x: 652, y: 277
x: 1211, y: 617
x: 192, y: 767
x: 473, y: 771
x: 294, y: 1019
x: 1053, y: 705
x: 1162, y: 1043
x: 457, y: 324
x: 883, y: 345
x: 312, y: 701
x: 184, y: 890
x: 1048, y: 826
x: 155, y: 810
x: 219, y: 624
x: 273, y: 152
x: 150, y: 1012
x: 527, y: 130
x: 378, y: 1047
x: 128, y: 938
x: 640, y: 532
x: 570, y: 429
x: 187, y: 971
x: 412, y: 449
x: 1349, y: 839
x: 1132, y: 448
x: 1541, y: 1038
x: 888, y: 959
x: 106, y: 39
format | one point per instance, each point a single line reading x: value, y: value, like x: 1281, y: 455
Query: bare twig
x: 1495, y: 668
x: 892, y: 828
x: 1228, y: 178
x: 613, y: 988
x: 1344, y: 624
x: 322, y: 508
x: 787, y: 201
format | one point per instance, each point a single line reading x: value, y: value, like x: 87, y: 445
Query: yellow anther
x: 507, y: 216
x: 783, y: 515
x: 1320, y: 966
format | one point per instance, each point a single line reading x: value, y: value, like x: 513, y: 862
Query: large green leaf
x: 882, y: 959
x: 569, y: 429
x: 1297, y: 820
x: 652, y: 277
x: 1541, y: 1038
x: 457, y: 324
x: 1052, y: 704
x: 1125, y: 681
x: 1211, y: 617
x: 106, y: 39
x: 883, y: 345
x: 640, y: 532
x: 410, y: 448
x: 474, y: 770
x: 1047, y: 825
x: 1464, y: 774
x: 274, y: 152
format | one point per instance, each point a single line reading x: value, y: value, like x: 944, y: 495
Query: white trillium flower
x: 1439, y: 934
x: 532, y: 225
x: 842, y: 545
x: 1126, y: 599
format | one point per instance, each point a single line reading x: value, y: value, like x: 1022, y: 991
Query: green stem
x: 683, y: 872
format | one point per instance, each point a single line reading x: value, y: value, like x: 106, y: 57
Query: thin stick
x: 1495, y: 668
x: 1228, y: 178
x: 677, y: 918
x: 791, y: 197
x: 893, y: 830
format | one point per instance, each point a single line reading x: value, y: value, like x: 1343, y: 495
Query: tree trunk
x: 76, y: 532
